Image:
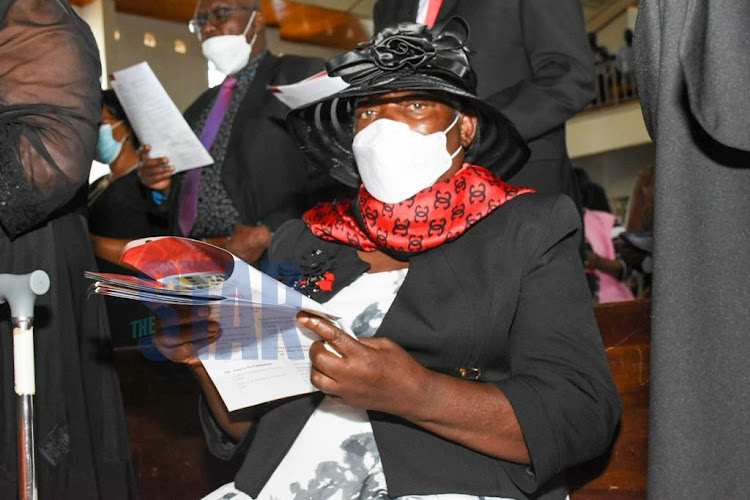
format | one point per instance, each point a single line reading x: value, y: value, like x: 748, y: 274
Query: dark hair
x: 111, y: 103
x: 593, y: 195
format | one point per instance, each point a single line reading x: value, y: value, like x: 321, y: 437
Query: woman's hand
x: 377, y: 374
x: 371, y: 373
x: 592, y: 260
x: 613, y: 267
x: 182, y: 330
x: 154, y: 173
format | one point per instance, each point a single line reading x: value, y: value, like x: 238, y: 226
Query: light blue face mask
x: 107, y: 148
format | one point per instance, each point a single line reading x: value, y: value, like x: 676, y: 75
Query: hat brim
x: 325, y: 128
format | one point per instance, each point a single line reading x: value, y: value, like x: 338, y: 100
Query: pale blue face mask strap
x: 112, y: 127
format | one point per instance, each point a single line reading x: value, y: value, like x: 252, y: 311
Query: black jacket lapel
x: 257, y: 93
x: 447, y: 10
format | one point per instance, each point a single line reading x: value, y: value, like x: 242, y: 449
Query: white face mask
x: 230, y: 53
x: 395, y: 163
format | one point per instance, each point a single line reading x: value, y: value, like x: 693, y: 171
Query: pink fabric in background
x: 598, y: 229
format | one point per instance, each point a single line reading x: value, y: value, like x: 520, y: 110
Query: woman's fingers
x: 338, y: 339
x: 180, y: 331
x: 326, y: 362
x: 323, y: 382
x: 174, y: 314
x: 154, y: 173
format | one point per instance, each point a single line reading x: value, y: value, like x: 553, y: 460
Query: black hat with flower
x: 407, y: 56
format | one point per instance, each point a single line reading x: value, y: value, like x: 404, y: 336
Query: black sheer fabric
x: 49, y: 113
x: 49, y: 109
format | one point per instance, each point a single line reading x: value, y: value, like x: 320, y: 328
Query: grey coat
x: 693, y: 76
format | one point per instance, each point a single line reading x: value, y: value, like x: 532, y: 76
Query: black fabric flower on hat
x: 392, y: 51
x: 410, y: 48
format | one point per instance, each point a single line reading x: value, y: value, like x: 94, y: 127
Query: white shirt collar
x: 422, y: 11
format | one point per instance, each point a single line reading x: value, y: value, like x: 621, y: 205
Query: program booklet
x: 156, y: 119
x: 262, y: 353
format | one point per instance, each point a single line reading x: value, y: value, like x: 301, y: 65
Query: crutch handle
x: 20, y: 291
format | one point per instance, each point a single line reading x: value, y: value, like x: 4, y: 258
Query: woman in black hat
x: 478, y: 369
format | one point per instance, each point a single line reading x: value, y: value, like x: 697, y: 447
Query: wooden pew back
x: 622, y: 473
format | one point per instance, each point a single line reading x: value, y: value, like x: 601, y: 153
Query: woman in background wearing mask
x: 478, y: 370
x: 119, y: 208
x: 116, y: 146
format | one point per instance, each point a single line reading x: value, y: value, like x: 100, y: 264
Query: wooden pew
x: 161, y: 408
x: 622, y: 473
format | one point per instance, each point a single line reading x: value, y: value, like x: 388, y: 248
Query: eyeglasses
x: 215, y: 16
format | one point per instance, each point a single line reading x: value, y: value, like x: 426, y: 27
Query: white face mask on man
x: 230, y: 53
x: 395, y: 163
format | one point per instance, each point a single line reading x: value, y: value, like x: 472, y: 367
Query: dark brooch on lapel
x: 317, y: 275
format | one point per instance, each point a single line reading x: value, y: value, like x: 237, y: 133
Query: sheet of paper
x: 308, y: 90
x: 262, y: 354
x: 156, y: 119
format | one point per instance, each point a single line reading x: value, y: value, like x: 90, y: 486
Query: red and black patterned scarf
x: 436, y: 215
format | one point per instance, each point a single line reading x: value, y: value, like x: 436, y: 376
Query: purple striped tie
x: 189, y: 187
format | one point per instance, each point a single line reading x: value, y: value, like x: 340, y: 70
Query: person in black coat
x: 533, y: 64
x: 259, y: 177
x: 50, y: 108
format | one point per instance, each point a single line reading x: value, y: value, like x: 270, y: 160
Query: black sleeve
x: 560, y: 372
x: 219, y: 443
x: 562, y: 64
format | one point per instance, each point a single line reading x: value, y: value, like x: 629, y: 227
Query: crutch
x: 20, y: 291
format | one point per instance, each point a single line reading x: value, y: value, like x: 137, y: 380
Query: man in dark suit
x: 533, y: 64
x: 259, y: 178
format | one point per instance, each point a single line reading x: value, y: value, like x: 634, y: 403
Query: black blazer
x: 532, y: 60
x: 508, y: 297
x: 264, y: 171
